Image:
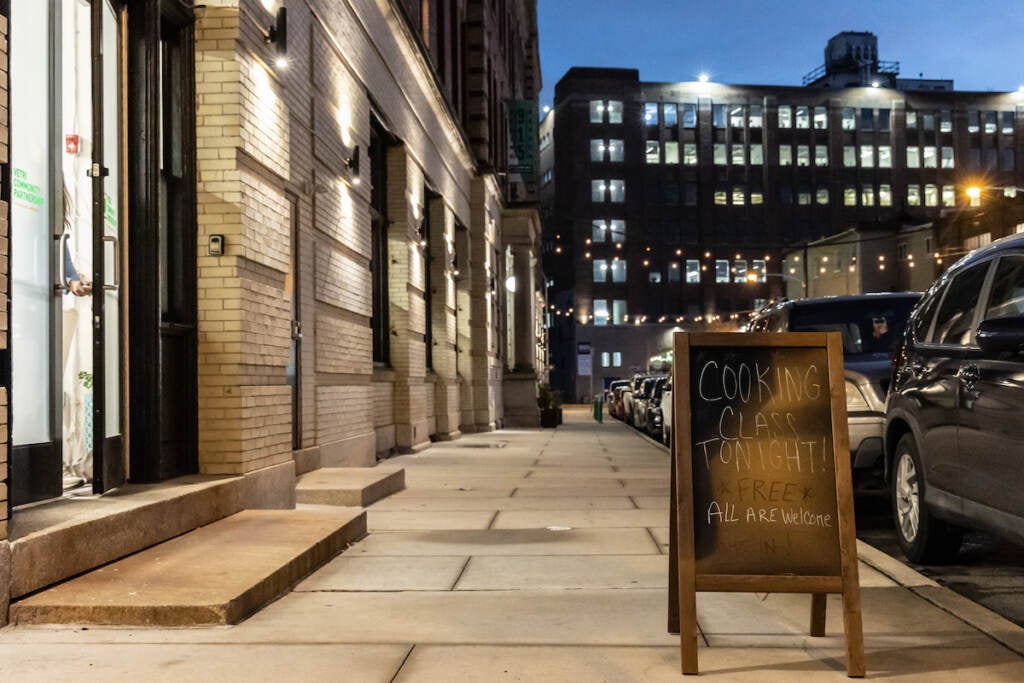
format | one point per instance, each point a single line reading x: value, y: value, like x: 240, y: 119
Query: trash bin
x: 598, y: 410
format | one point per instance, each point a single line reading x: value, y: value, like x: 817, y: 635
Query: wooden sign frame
x: 684, y: 580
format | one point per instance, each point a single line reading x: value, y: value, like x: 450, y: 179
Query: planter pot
x: 549, y: 417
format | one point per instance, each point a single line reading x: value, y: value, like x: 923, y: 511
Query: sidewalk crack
x: 402, y: 665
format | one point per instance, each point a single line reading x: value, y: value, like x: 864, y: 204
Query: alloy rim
x: 908, y: 503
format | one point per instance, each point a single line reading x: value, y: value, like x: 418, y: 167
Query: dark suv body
x: 871, y: 326
x: 955, y: 414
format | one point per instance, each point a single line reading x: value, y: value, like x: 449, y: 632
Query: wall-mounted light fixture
x: 277, y: 35
x: 352, y: 163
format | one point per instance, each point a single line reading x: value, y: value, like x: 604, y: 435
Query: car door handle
x: 968, y: 375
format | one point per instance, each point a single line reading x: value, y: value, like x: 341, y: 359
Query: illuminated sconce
x: 511, y: 283
x: 352, y: 163
x: 277, y: 35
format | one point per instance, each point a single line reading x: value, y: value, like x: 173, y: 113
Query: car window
x: 956, y: 313
x: 1007, y: 298
x: 870, y: 325
x: 923, y: 319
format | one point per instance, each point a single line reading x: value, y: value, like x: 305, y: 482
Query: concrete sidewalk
x: 532, y: 555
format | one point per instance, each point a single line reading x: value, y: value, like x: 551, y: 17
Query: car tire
x: 923, y: 538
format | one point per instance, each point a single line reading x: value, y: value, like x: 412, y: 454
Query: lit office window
x: 652, y: 152
x: 947, y: 157
x: 931, y: 195
x: 849, y: 156
x: 929, y: 157
x: 756, y: 195
x: 673, y: 271
x: 618, y: 271
x: 945, y: 121
x: 606, y: 359
x: 803, y: 196
x: 671, y: 152
x: 740, y: 268
x: 990, y: 122
x: 739, y: 155
x: 654, y: 277
x: 803, y: 155
x: 911, y: 119
x: 885, y: 194
x: 617, y: 191
x: 1007, y: 122
x: 756, y: 155
x: 692, y: 271
x: 721, y: 197
x: 718, y: 113
x: 785, y: 155
x: 913, y: 157
x: 617, y: 229
x: 803, y: 117
x: 597, y: 148
x: 822, y: 195
x: 597, y: 190
x: 600, y: 312
x: 651, y: 113
x: 867, y: 156
x: 689, y: 115
x: 948, y: 196
x: 759, y: 267
x: 884, y: 156
x: 913, y: 195
x: 849, y: 118
x: 928, y: 120
x: 617, y: 359
x: 820, y: 118
x: 867, y: 195
x: 722, y: 275
x: 739, y: 195
x: 598, y: 231
x: 600, y: 270
x: 736, y: 116
x: 669, y: 114
x: 720, y: 154
x: 785, y: 116
x: 618, y: 311
x: 756, y: 117
x: 616, y: 150
x: 614, y: 111
x: 821, y: 155
x: 849, y: 195
x: 596, y: 111
x: 973, y: 125
x: 689, y: 154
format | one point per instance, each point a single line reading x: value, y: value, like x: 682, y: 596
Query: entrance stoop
x: 350, y: 486
x: 217, y: 574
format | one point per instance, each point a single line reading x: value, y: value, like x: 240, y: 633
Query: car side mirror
x: 999, y: 335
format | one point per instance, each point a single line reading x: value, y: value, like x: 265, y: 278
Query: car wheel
x: 923, y: 538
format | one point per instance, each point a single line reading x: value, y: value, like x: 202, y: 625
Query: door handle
x: 62, y: 272
x: 117, y: 264
x: 968, y: 375
x: 296, y: 330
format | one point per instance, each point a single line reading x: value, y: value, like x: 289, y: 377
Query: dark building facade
x: 674, y: 202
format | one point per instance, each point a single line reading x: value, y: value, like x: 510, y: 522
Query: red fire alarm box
x: 71, y: 143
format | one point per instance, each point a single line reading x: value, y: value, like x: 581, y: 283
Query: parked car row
x: 638, y: 402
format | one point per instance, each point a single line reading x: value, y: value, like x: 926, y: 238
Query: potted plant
x: 546, y: 401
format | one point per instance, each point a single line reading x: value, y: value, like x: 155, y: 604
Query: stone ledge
x: 348, y: 486
x: 219, y: 574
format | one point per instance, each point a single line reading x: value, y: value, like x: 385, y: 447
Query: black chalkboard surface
x: 764, y: 488
x: 762, y: 496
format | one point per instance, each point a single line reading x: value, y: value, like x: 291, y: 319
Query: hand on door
x: 76, y: 285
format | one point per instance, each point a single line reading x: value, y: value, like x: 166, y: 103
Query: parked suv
x: 954, y: 431
x: 871, y: 326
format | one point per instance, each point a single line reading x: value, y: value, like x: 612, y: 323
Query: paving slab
x: 650, y: 502
x: 509, y: 542
x: 579, y: 519
x: 405, y: 520
x: 571, y: 489
x: 565, y: 573
x: 348, y: 573
x: 506, y: 503
x: 201, y: 662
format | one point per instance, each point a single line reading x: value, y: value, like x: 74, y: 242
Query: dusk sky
x: 759, y: 42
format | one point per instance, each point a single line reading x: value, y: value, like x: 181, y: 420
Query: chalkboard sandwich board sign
x: 762, y: 497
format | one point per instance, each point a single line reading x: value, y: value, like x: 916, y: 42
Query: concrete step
x: 218, y: 574
x: 68, y: 536
x: 349, y: 486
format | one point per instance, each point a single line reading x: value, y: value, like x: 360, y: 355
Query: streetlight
x: 755, y: 277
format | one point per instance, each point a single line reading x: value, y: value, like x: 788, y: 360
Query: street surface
x: 988, y: 571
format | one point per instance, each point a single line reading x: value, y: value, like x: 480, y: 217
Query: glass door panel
x: 111, y: 226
